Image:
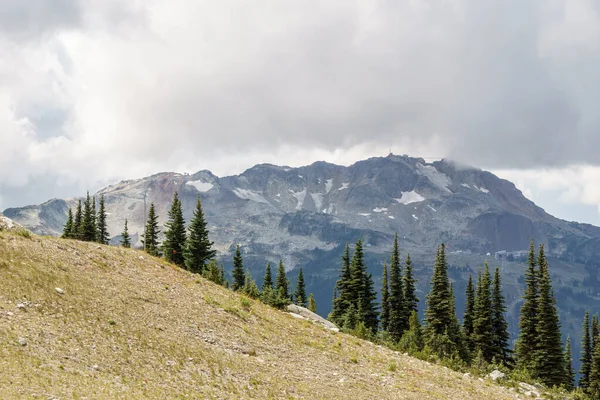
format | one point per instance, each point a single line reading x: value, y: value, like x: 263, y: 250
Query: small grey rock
x: 21, y: 306
x: 59, y: 290
x: 496, y: 375
x: 22, y: 342
x: 95, y: 367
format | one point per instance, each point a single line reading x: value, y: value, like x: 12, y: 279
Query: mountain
x: 306, y: 215
x: 79, y: 320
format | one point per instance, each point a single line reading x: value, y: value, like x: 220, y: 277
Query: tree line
x: 87, y: 224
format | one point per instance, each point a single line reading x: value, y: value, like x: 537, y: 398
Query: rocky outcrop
x: 305, y: 313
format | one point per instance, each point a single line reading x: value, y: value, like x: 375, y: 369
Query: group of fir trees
x: 539, y: 346
x: 87, y: 224
x: 191, y: 249
x: 354, y: 295
x: 484, y: 326
x: 589, y: 379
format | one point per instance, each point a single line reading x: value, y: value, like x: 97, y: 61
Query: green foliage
x: 125, y: 238
x: 87, y: 229
x: 151, y: 232
x: 274, y: 299
x: 500, y: 347
x: 586, y: 353
x: 268, y: 278
x: 198, y: 247
x: 102, y: 235
x: 398, y: 313
x: 483, y: 336
x: 300, y: 293
x: 281, y: 281
x: 350, y: 318
x: 526, y: 346
x: 385, y: 294
x: 469, y: 314
x: 175, y: 236
x: 213, y: 272
x: 342, y: 295
x: 412, y: 340
x: 570, y: 374
x: 595, y: 331
x: 68, y: 228
x: 362, y: 332
x: 312, y: 304
x: 250, y: 288
x: 238, y: 270
x: 75, y: 232
x: 410, y: 291
x: 593, y: 389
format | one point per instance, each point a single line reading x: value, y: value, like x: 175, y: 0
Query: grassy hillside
x: 131, y: 326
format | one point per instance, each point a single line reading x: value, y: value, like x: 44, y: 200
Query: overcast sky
x: 93, y: 91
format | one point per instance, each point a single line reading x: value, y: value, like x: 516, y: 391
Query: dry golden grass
x: 130, y: 326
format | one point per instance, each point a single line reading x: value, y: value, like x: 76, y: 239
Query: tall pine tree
x: 94, y: 219
x: 238, y: 270
x: 593, y: 389
x: 125, y: 238
x: 281, y: 282
x: 175, y: 237
x: 595, y: 331
x: 586, y: 353
x: 469, y: 314
x: 268, y: 278
x: 102, y: 235
x: 151, y: 232
x: 526, y: 346
x: 300, y: 293
x: 68, y: 228
x: 500, y: 339
x: 343, y: 297
x: 312, y: 304
x: 398, y: 313
x: 549, y: 357
x: 438, y: 315
x: 410, y: 291
x: 570, y: 377
x: 76, y: 231
x: 367, y: 307
x: 87, y: 230
x: 198, y: 247
x: 385, y: 294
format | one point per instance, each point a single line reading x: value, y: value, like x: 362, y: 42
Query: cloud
x: 107, y: 89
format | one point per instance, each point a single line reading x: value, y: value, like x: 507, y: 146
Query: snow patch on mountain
x: 378, y: 210
x: 465, y: 185
x: 201, y: 186
x: 328, y: 185
x: 364, y: 214
x: 439, y: 179
x: 410, y: 197
x: 300, y: 196
x: 432, y: 209
x: 415, y: 217
x: 318, y: 199
x: 250, y: 195
x: 481, y: 189
x: 345, y: 185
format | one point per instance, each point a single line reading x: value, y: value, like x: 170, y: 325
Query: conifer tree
x: 469, y: 314
x: 68, y: 228
x: 175, y: 236
x: 312, y: 305
x: 87, y: 230
x: 281, y: 282
x: 213, y: 272
x: 250, y: 287
x: 94, y: 220
x: 586, y: 353
x: 125, y: 239
x: 570, y: 374
x: 438, y: 315
x: 76, y: 230
x: 385, y: 294
x: 343, y: 297
x: 410, y: 291
x: 549, y: 356
x: 412, y: 340
x: 151, y: 232
x: 500, y: 347
x: 300, y: 294
x: 455, y: 334
x: 102, y: 230
x: 239, y: 277
x: 268, y: 278
x: 198, y: 247
x: 367, y: 308
x: 593, y: 389
x: 595, y: 332
x: 526, y: 346
x: 397, y: 320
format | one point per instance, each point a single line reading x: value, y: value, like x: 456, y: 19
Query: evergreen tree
x: 397, y: 319
x: 102, y: 230
x: 528, y: 338
x: 151, y: 232
x: 570, y: 374
x: 549, y: 356
x: 268, y: 279
x: 198, y: 247
x: 300, y: 294
x: 125, y: 239
x: 438, y: 315
x: 312, y: 305
x: 68, y: 228
x: 595, y: 331
x: 94, y: 220
x: 213, y: 272
x: 410, y: 291
x: 343, y: 297
x: 469, y: 314
x: 586, y: 353
x: 76, y: 230
x: 175, y: 236
x: 239, y: 277
x: 367, y: 306
x: 500, y: 347
x: 593, y: 389
x: 250, y: 287
x: 385, y: 294
x: 281, y: 281
x: 87, y: 230
x: 455, y: 334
